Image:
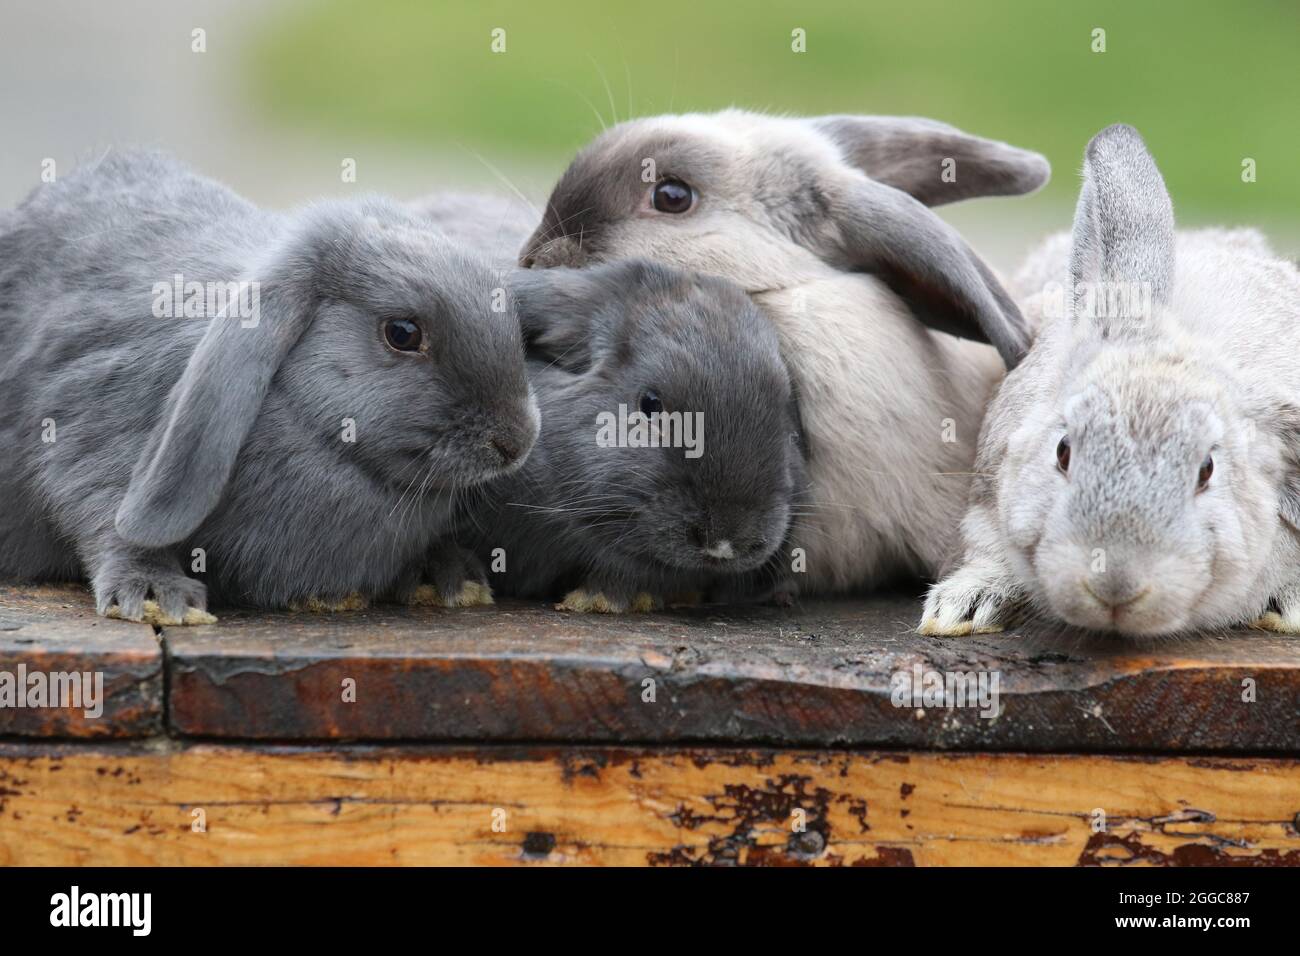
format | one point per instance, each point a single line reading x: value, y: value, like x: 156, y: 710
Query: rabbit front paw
x: 585, y: 601
x: 147, y: 588
x: 448, y: 576
x: 467, y: 594
x: 355, y: 601
x: 972, y: 600
x: 1281, y: 618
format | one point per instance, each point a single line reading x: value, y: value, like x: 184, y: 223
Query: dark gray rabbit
x: 624, y: 521
x: 298, y: 440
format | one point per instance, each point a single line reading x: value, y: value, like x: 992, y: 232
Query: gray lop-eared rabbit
x: 610, y: 526
x: 303, y: 444
x: 1140, y: 471
x: 825, y: 222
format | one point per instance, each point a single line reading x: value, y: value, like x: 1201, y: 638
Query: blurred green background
x: 285, y: 93
x: 1208, y: 83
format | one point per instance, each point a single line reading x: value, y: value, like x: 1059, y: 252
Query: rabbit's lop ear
x: 886, y: 232
x: 931, y: 161
x: 1124, y: 223
x: 190, y: 454
x: 567, y: 315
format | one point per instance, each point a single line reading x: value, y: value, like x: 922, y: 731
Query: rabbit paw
x: 356, y: 601
x: 583, y: 601
x: 1283, y: 613
x: 969, y: 601
x: 142, y: 588
x: 448, y: 576
x: 470, y: 594
x: 1286, y: 621
x: 151, y: 612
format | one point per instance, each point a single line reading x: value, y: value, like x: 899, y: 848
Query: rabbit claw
x: 149, y: 588
x: 966, y: 602
x: 151, y: 612
x: 583, y: 601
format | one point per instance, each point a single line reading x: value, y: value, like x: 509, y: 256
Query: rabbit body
x: 1138, y: 472
x: 612, y: 528
x: 219, y: 443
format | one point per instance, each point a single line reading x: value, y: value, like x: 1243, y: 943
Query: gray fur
x: 175, y: 434
x: 1124, y: 221
x: 495, y: 227
x: 619, y: 521
x: 923, y: 260
x: 1126, y: 539
x: 843, y: 264
x: 904, y: 151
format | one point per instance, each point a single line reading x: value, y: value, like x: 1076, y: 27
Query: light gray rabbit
x: 1140, y: 471
x: 495, y: 227
x: 825, y: 223
x: 294, y: 439
x: 613, y: 521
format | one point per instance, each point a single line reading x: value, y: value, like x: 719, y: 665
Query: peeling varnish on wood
x: 70, y: 804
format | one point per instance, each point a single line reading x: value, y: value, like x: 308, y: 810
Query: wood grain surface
x: 259, y: 804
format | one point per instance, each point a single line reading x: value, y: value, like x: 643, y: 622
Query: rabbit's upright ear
x: 931, y: 161
x: 565, y: 314
x: 1123, y: 224
x: 886, y: 232
x: 188, y: 459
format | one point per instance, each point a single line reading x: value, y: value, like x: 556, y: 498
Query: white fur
x: 1220, y: 352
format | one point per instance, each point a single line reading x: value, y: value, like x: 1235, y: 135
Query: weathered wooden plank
x: 54, y: 631
x: 820, y: 674
x: 130, y: 805
x: 817, y: 675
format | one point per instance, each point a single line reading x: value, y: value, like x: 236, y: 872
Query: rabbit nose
x: 721, y: 551
x: 560, y: 251
x: 508, y: 448
x: 1115, y: 590
x: 715, y: 546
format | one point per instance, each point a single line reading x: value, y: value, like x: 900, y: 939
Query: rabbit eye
x: 651, y: 403
x: 1063, y: 454
x: 1203, y: 476
x: 672, y: 196
x: 403, y: 335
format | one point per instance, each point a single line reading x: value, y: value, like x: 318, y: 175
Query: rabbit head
x: 633, y: 338
x: 1139, y: 499
x: 772, y: 201
x: 361, y: 314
